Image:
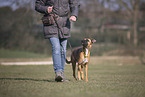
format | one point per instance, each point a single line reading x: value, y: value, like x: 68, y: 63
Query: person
x: 66, y: 10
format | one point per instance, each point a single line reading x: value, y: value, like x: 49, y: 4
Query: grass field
x: 19, y: 54
x: 108, y: 77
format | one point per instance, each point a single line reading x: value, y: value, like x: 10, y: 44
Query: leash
x: 63, y: 37
x: 58, y: 26
x: 60, y: 29
x: 54, y: 15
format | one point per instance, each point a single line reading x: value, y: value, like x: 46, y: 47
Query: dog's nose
x: 82, y: 41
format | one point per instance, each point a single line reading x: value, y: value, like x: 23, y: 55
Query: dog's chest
x: 84, y: 54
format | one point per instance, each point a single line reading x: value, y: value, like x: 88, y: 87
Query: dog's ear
x: 93, y: 40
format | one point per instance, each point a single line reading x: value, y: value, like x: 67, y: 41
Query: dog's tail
x: 68, y: 62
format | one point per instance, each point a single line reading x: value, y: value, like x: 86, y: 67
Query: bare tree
x: 132, y: 7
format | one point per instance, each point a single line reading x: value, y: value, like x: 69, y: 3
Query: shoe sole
x: 58, y: 79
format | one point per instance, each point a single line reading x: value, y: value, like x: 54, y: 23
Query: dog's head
x: 87, y: 42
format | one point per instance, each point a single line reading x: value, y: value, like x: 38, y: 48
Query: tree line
x: 115, y: 21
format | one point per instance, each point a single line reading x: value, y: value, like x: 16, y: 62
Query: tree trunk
x: 135, y: 32
x: 135, y: 20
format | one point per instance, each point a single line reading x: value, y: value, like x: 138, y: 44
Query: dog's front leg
x: 86, y: 72
x: 79, y: 77
x: 80, y: 71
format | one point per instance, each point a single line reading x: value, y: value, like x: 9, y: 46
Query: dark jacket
x: 62, y: 9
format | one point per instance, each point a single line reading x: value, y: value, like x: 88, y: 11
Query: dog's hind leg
x: 74, y: 69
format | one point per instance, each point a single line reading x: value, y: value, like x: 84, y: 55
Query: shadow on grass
x: 28, y: 79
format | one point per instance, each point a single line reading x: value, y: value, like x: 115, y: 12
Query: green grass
x: 106, y: 79
x: 19, y: 54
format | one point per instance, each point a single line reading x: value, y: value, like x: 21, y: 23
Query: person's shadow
x: 29, y: 79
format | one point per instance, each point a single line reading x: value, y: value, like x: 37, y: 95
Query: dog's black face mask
x: 85, y: 43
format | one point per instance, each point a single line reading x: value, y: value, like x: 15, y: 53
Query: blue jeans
x: 58, y: 53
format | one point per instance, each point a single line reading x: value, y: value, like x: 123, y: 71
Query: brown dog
x: 81, y: 56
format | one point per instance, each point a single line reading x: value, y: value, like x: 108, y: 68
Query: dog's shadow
x: 28, y: 79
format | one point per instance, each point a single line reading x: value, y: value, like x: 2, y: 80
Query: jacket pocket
x: 47, y: 20
x: 50, y: 30
x: 66, y: 27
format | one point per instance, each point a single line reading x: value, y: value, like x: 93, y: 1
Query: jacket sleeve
x: 74, y: 7
x: 40, y: 6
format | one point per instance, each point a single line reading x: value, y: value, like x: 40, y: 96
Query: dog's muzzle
x: 84, y: 43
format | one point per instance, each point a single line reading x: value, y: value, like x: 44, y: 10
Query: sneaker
x: 58, y: 77
x: 63, y: 78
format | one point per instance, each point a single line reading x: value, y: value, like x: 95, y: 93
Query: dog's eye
x: 87, y: 40
x: 83, y: 41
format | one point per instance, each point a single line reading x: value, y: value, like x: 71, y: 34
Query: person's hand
x: 73, y: 18
x: 50, y: 9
